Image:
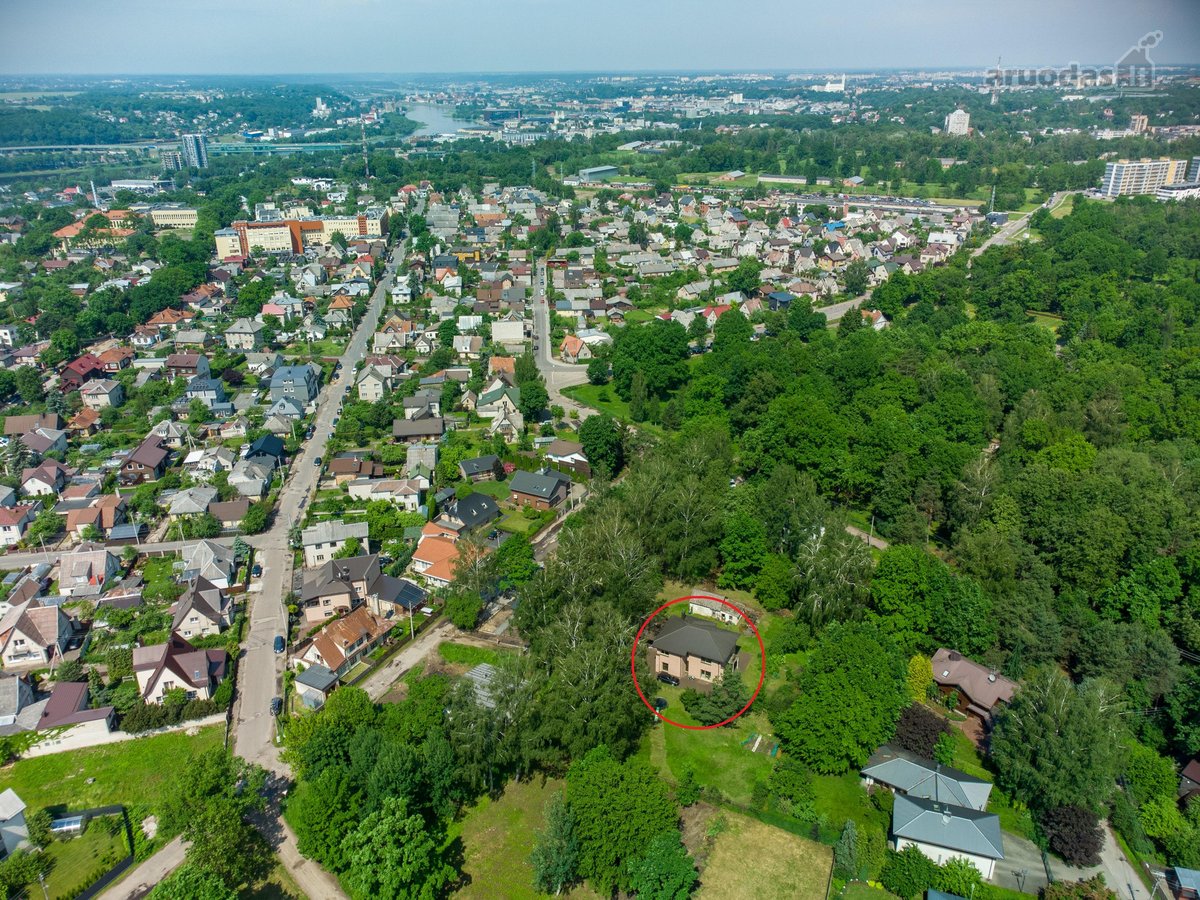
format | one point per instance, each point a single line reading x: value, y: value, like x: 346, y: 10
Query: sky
x: 407, y: 36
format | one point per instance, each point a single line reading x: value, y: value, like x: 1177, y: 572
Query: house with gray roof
x: 210, y: 561
x: 943, y: 831
x: 299, y: 383
x: 244, y: 334
x: 541, y: 490
x: 907, y: 773
x: 688, y: 648
x: 201, y: 610
x: 322, y: 540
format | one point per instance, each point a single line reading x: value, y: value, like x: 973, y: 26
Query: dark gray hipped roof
x: 687, y: 637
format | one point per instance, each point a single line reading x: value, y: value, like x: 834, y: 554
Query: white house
x: 943, y: 831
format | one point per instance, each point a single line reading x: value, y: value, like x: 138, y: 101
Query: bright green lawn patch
x: 842, y: 797
x: 638, y: 316
x: 466, y: 654
x: 716, y: 755
x: 159, y: 574
x: 1063, y: 209
x: 860, y: 891
x: 497, y: 490
x: 1046, y: 320
x: 602, y: 397
x: 81, y: 860
x: 359, y: 668
x: 497, y: 837
x: 135, y: 773
x: 516, y: 523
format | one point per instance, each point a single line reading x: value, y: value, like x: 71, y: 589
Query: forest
x: 1040, y: 497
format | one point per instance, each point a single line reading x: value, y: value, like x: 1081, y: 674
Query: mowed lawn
x: 80, y: 860
x: 750, y: 859
x: 133, y: 773
x: 497, y: 838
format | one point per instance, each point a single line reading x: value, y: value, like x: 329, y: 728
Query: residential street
x: 558, y: 375
x: 261, y: 669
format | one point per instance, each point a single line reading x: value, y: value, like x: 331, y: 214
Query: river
x: 435, y: 119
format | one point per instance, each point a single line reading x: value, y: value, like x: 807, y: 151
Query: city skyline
x: 527, y: 36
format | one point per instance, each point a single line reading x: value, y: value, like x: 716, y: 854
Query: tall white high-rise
x: 195, y: 151
x: 958, y: 122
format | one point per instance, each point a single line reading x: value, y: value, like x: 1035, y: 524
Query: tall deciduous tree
x: 851, y: 694
x: 619, y: 809
x: 665, y: 871
x: 555, y: 857
x: 1058, y: 744
x: 394, y: 854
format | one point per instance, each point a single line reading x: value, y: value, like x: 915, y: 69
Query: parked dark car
x: 256, y: 571
x: 279, y: 643
x: 276, y: 706
x: 660, y: 703
x: 668, y: 679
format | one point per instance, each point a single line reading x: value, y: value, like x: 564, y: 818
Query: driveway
x: 1118, y: 873
x: 1021, y: 869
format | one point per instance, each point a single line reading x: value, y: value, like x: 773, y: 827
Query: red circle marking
x: 762, y: 672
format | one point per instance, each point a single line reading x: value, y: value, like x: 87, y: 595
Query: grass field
x: 750, y: 859
x: 602, y: 397
x: 497, y: 490
x: 1046, y: 320
x: 860, y: 891
x: 1063, y: 209
x: 497, y: 837
x: 516, y: 523
x: 135, y: 773
x: 842, y: 797
x: 82, y: 859
x: 466, y: 654
x: 692, y: 178
x: 158, y: 572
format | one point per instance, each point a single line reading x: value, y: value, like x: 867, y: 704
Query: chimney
x: 946, y: 815
x: 992, y: 677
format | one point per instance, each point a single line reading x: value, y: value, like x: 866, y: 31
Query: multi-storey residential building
x: 195, y: 151
x: 958, y: 122
x: 1141, y: 176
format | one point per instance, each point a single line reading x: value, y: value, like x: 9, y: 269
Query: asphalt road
x: 557, y: 375
x: 261, y: 669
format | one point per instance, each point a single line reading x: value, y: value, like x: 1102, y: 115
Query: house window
x: 706, y: 674
x: 665, y: 666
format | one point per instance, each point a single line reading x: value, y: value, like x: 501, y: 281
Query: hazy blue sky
x: 285, y: 36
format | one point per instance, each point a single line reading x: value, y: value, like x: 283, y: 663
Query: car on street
x: 317, y: 461
x: 256, y: 571
x: 668, y: 679
x: 279, y: 643
x: 276, y: 705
